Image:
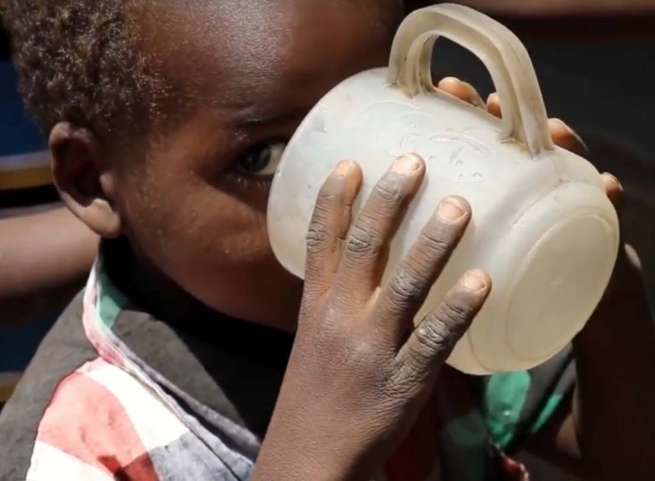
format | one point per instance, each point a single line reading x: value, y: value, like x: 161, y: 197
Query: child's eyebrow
x: 263, y: 119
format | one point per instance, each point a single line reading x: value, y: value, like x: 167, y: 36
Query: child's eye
x: 263, y: 159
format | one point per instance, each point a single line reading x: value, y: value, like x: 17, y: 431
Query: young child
x: 166, y: 120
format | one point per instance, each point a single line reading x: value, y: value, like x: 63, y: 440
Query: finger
x: 633, y: 258
x: 365, y: 251
x: 624, y: 264
x: 561, y: 133
x: 566, y: 138
x: 461, y: 90
x: 329, y: 226
x: 614, y: 190
x: 493, y: 105
x: 429, y: 346
x: 410, y: 284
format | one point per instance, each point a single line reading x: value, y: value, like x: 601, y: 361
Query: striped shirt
x: 115, y: 394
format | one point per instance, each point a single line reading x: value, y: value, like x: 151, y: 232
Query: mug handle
x: 506, y: 59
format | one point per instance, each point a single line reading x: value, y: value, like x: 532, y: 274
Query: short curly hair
x: 78, y: 61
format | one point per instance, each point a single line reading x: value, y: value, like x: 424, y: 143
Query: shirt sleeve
x: 517, y: 404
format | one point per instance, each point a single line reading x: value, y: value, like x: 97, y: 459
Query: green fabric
x: 504, y: 398
x: 110, y: 303
x: 468, y: 434
x: 551, y: 406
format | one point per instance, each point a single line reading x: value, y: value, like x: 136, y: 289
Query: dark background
x: 605, y: 89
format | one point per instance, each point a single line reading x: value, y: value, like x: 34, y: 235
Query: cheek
x: 182, y: 221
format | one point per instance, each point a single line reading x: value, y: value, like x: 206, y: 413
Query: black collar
x: 233, y: 367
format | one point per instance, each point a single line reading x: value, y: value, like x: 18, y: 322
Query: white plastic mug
x: 542, y: 225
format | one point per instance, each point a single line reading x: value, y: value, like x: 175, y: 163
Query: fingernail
x: 407, y: 164
x: 475, y: 97
x: 614, y: 179
x: 566, y: 128
x: 452, y: 209
x: 451, y: 80
x: 562, y: 124
x: 344, y: 167
x: 570, y: 132
x: 475, y: 281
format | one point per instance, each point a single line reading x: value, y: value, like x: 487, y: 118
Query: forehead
x: 260, y: 57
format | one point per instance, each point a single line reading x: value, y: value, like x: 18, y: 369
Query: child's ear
x: 85, y: 178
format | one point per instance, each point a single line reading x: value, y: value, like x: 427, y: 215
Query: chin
x: 257, y: 289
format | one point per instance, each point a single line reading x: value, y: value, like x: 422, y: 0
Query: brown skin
x: 195, y: 222
x: 359, y: 372
x: 44, y: 260
x: 184, y: 205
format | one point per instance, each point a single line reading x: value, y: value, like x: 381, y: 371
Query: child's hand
x: 360, y: 372
x: 614, y: 358
x: 627, y: 279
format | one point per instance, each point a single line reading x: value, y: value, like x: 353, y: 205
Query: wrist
x: 300, y: 451
x: 288, y: 464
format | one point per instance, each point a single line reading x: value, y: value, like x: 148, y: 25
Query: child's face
x: 195, y: 204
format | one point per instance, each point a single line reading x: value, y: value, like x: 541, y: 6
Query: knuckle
x: 327, y: 200
x: 317, y: 236
x: 402, y: 385
x: 405, y: 284
x: 391, y: 189
x: 361, y: 350
x: 437, y: 242
x: 361, y: 241
x: 411, y: 375
x: 456, y: 312
x: 356, y: 352
x: 434, y: 336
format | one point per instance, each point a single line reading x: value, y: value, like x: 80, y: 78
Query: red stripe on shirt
x: 85, y: 420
